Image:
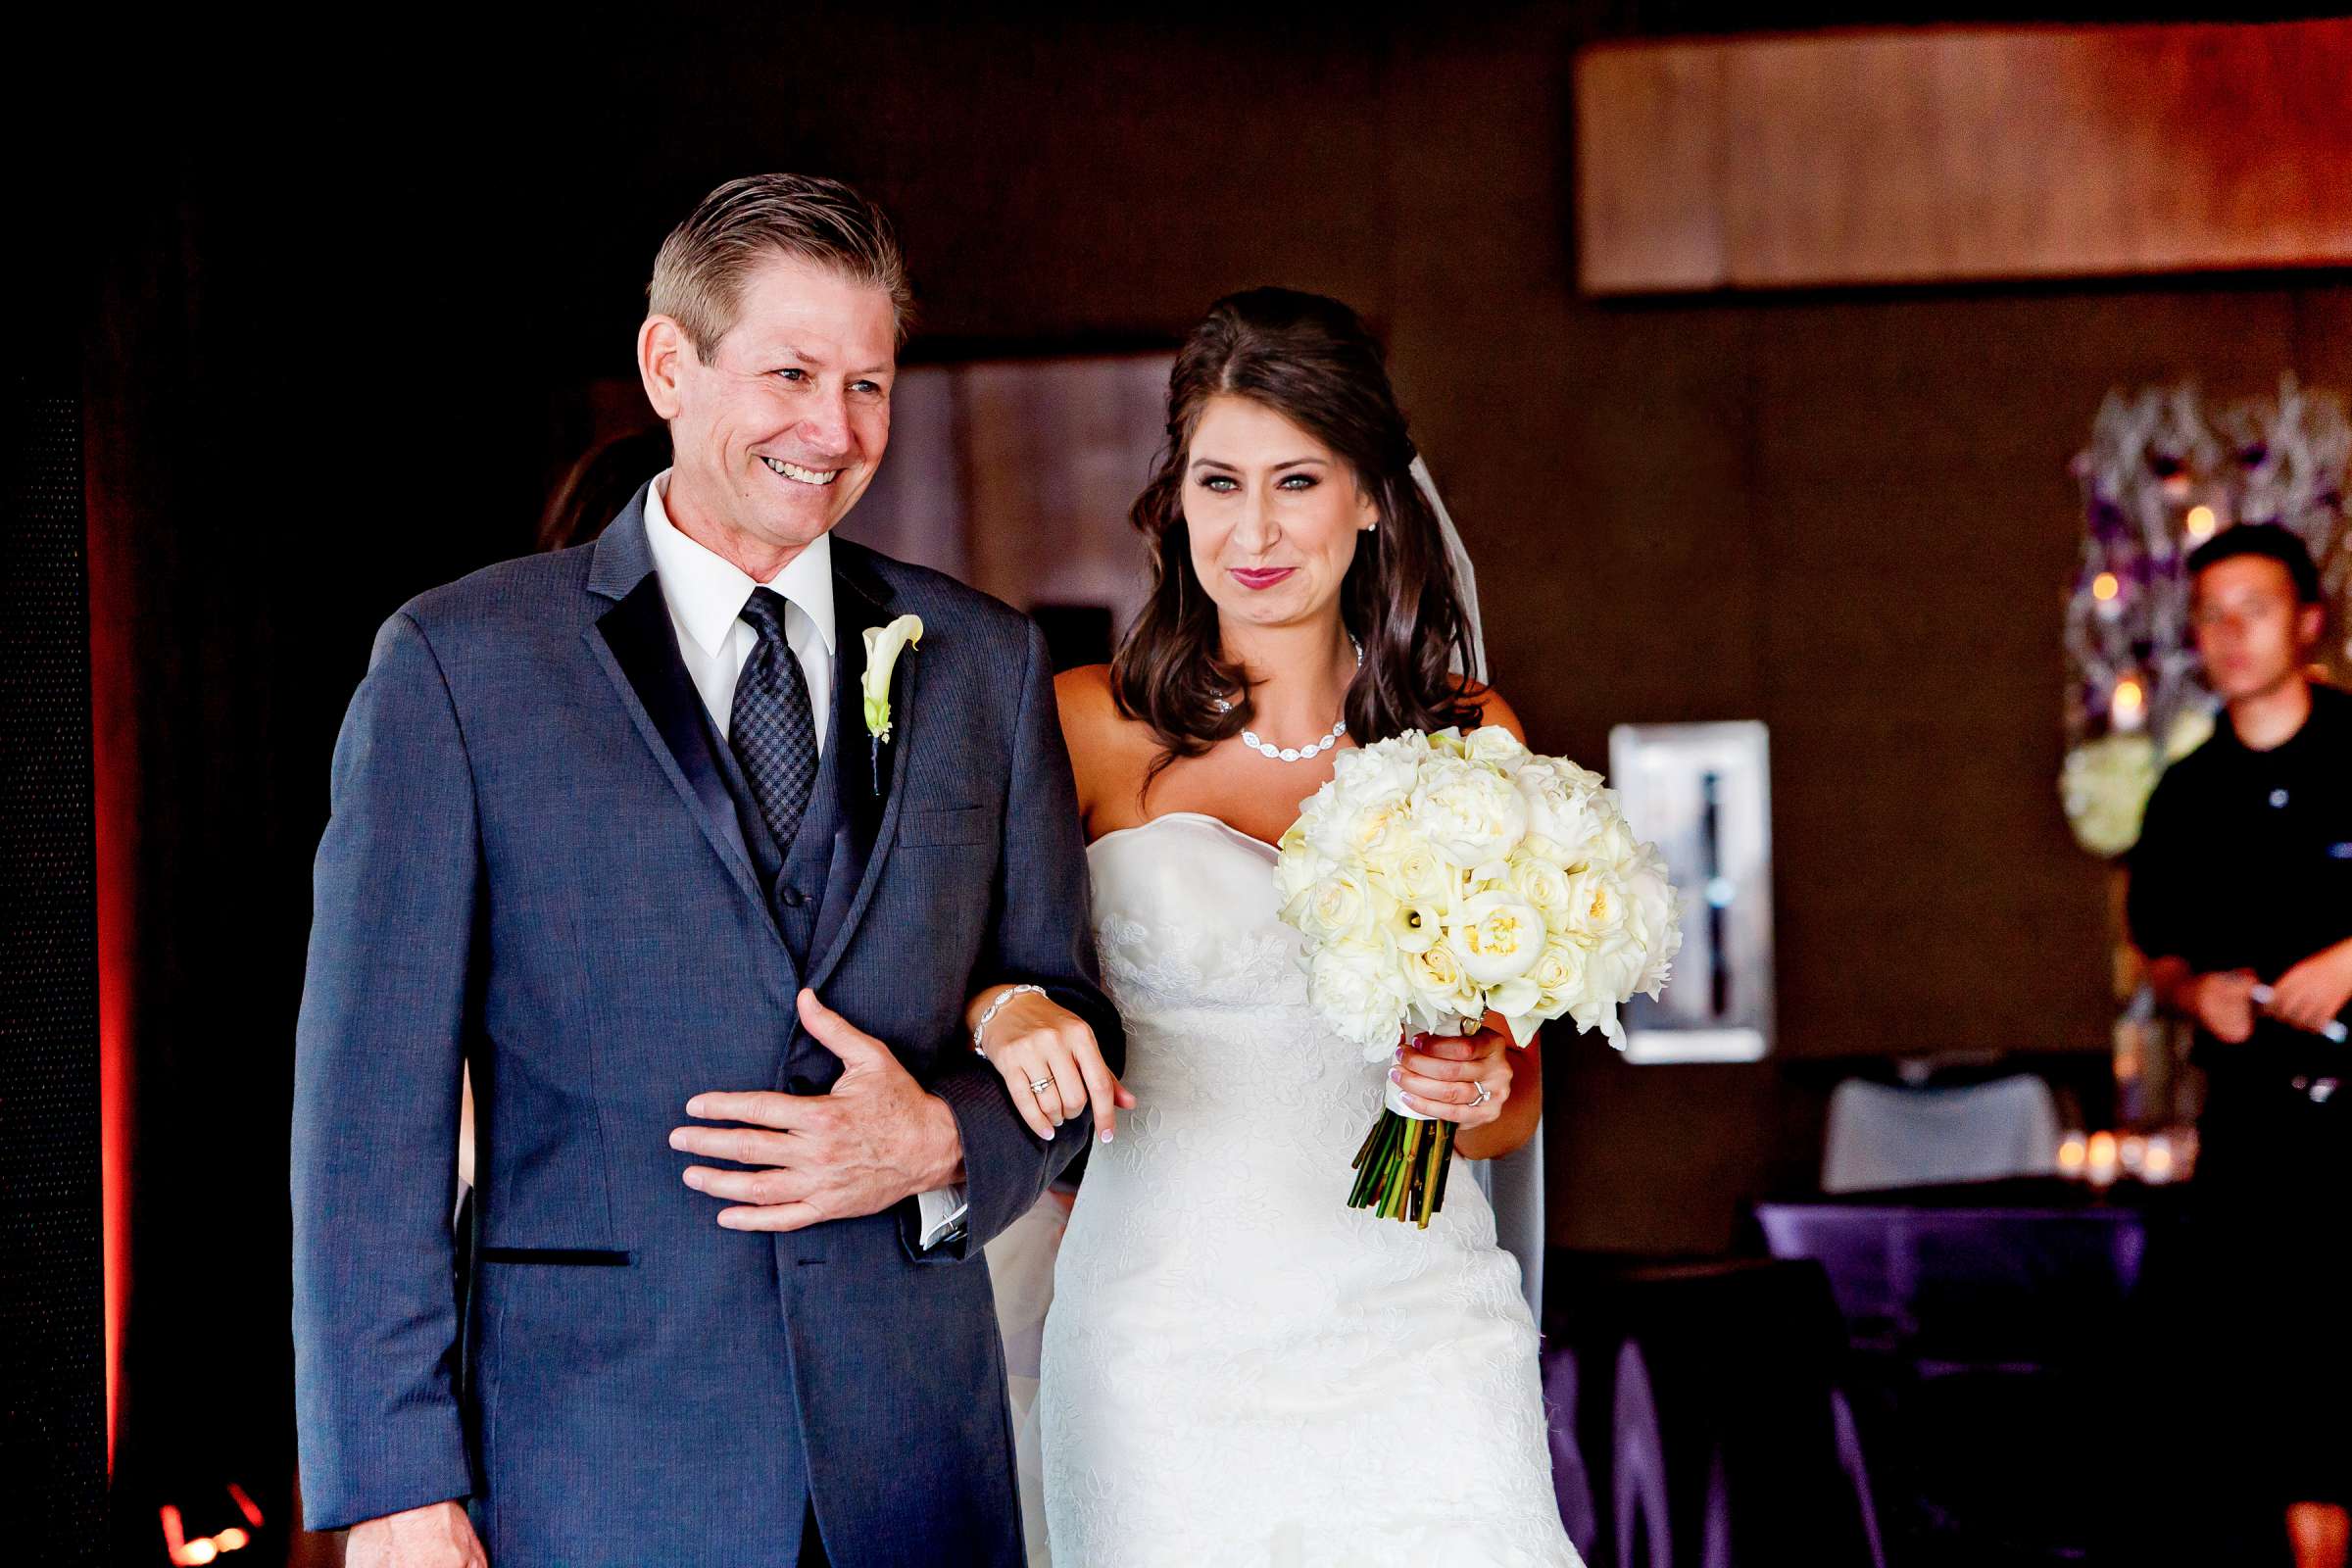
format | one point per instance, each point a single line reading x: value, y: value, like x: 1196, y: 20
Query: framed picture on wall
x: 1702, y: 793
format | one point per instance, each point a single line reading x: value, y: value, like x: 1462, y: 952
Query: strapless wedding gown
x: 1237, y: 1368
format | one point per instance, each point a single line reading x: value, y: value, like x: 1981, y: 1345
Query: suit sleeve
x: 377, y: 1057
x: 1040, y: 933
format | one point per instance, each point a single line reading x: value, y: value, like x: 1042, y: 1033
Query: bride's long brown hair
x: 1310, y: 360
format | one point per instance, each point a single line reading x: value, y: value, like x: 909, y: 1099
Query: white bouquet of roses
x: 1438, y: 878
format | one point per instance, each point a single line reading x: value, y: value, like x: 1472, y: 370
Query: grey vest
x: 795, y: 877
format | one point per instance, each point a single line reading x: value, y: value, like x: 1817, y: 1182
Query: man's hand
x: 2224, y: 1003
x: 436, y: 1535
x: 877, y: 1138
x: 2311, y: 993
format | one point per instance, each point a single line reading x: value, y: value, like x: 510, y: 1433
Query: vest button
x: 791, y: 898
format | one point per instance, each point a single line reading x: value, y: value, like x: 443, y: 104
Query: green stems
x: 1401, y: 1169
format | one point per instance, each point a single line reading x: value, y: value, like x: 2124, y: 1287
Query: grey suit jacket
x: 534, y: 866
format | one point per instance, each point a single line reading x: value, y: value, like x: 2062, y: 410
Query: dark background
x: 343, y: 290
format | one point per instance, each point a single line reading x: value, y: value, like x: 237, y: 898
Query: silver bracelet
x: 995, y: 1007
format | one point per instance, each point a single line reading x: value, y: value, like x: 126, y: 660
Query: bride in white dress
x: 1237, y: 1368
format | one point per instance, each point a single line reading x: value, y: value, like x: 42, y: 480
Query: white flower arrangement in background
x: 2106, y: 782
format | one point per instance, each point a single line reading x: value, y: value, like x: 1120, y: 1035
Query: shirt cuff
x: 942, y: 1211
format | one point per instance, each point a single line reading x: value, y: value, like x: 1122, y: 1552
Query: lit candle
x: 2129, y: 707
x: 2100, y: 1159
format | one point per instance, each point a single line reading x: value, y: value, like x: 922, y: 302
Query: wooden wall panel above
x: 1958, y: 154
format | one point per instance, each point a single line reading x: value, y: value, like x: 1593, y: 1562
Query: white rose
x: 1351, y: 811
x: 1491, y: 742
x: 1298, y: 865
x: 1566, y: 807
x: 1540, y: 883
x: 1559, y: 974
x: 1654, y: 917
x: 1358, y: 998
x: 1469, y: 813
x: 1439, y: 984
x: 1614, y: 844
x: 1379, y: 770
x: 1379, y: 830
x: 1497, y: 936
x: 1413, y: 873
x: 1594, y: 911
x: 1338, y: 904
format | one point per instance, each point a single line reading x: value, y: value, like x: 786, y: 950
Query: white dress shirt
x: 705, y: 594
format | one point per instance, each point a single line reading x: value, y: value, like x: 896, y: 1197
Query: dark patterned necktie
x: 773, y: 730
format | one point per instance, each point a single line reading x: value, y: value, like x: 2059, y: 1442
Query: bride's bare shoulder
x: 1491, y: 709
x: 1090, y: 713
x: 1108, y: 749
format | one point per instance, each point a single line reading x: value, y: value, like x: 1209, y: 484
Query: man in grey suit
x: 607, y: 824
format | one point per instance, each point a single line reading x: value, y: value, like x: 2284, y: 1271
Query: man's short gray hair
x: 700, y: 271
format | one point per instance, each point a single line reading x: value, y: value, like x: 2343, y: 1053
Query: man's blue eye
x: 791, y: 375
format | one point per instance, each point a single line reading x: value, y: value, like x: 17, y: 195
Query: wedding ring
x: 1484, y: 1093
x: 1037, y: 1086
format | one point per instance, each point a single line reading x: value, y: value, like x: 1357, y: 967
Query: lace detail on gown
x: 1237, y: 1368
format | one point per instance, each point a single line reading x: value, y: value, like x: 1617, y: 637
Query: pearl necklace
x: 1297, y: 754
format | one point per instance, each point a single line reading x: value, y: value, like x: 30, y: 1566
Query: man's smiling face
x: 780, y: 429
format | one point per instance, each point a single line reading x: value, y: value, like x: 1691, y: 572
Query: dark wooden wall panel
x: 1916, y: 155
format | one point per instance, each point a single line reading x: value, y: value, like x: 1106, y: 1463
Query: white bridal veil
x: 1513, y: 1184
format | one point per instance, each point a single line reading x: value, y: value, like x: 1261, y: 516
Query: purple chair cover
x: 1640, y: 1518
x: 1571, y: 1477
x: 1696, y: 1418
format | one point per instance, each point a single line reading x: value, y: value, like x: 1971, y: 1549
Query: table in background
x: 2001, y: 1362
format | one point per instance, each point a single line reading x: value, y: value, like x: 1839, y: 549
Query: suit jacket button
x: 791, y: 898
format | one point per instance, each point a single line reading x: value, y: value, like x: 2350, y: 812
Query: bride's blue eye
x: 1222, y: 484
x: 1298, y: 481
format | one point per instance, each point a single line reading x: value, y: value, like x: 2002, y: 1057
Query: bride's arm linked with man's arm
x: 1047, y: 1057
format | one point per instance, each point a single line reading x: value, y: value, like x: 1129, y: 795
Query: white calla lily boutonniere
x: 883, y: 645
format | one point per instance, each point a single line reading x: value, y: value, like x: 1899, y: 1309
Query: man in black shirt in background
x: 2241, y: 900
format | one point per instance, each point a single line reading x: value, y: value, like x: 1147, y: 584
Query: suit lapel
x: 636, y: 645
x: 861, y: 599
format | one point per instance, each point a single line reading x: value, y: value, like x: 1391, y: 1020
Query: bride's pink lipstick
x: 1255, y: 578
